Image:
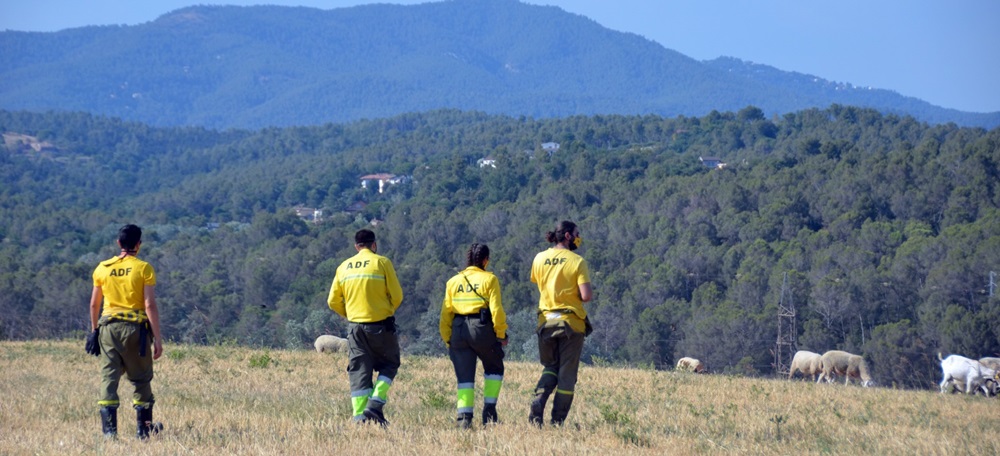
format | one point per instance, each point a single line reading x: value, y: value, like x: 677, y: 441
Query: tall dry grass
x: 232, y: 400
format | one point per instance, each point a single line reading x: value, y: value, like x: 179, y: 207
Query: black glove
x: 93, y: 347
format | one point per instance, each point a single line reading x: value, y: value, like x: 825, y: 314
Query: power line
x: 993, y: 282
x: 785, y: 345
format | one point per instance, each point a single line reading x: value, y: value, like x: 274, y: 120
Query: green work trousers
x: 371, y: 347
x: 472, y: 339
x: 559, y: 350
x: 121, y: 353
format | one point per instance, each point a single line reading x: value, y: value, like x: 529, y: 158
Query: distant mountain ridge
x: 252, y: 67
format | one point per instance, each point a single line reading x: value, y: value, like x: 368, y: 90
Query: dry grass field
x: 233, y: 400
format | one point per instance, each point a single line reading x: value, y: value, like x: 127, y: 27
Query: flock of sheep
x: 958, y: 372
x: 826, y: 366
x: 829, y: 365
x: 961, y: 373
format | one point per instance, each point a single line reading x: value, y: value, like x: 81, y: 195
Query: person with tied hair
x: 474, y: 326
x: 563, y: 281
x: 125, y: 332
x: 367, y: 293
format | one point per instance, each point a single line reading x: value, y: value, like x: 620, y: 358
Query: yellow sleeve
x: 447, y: 316
x: 583, y: 273
x: 496, y: 307
x: 148, y: 275
x: 392, y: 285
x: 534, y: 277
x: 336, y: 298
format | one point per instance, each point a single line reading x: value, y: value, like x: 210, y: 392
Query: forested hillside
x: 265, y: 66
x: 886, y: 228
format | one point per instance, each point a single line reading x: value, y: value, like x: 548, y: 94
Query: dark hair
x: 477, y: 255
x: 129, y: 236
x: 559, y: 234
x: 364, y: 238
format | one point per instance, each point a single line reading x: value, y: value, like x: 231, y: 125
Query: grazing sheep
x: 807, y: 362
x: 329, y: 344
x: 691, y: 365
x: 836, y: 362
x: 957, y: 370
x: 992, y: 363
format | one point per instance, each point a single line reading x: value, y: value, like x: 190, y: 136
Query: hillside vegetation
x: 261, y: 66
x: 232, y: 400
x: 883, y: 230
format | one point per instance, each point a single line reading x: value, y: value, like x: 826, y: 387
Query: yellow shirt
x: 460, y: 298
x: 365, y: 289
x: 559, y: 274
x: 121, y: 281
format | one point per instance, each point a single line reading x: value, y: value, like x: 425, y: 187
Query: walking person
x: 125, y: 332
x: 563, y: 281
x: 367, y: 293
x: 473, y: 325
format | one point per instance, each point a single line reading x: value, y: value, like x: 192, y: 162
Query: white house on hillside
x: 712, y: 162
x: 382, y: 179
x: 308, y: 213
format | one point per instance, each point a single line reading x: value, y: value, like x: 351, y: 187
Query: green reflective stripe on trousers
x: 491, y: 387
x: 548, y: 372
x: 559, y: 391
x: 358, y: 404
x: 141, y: 404
x: 381, y: 391
x: 107, y: 403
x: 466, y: 399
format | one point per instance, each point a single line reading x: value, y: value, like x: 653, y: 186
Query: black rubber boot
x: 463, y: 421
x: 109, y: 421
x: 374, y: 413
x: 560, y: 408
x: 538, y: 409
x: 490, y: 414
x: 545, y: 386
x: 144, y: 424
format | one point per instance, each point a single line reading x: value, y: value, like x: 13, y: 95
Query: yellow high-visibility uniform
x: 121, y: 281
x: 365, y: 289
x: 559, y: 274
x: 461, y: 298
x: 367, y: 293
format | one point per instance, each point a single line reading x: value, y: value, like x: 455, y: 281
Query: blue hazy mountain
x: 252, y: 67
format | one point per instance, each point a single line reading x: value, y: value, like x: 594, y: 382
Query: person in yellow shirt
x: 125, y: 325
x: 473, y: 326
x: 563, y: 281
x: 367, y: 293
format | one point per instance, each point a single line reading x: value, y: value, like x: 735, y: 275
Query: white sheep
x: 807, y: 362
x: 330, y: 344
x: 992, y: 363
x: 836, y: 362
x: 959, y: 370
x: 691, y: 365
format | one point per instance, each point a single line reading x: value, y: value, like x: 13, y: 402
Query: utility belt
x: 546, y: 313
x: 484, y: 315
x: 131, y: 316
x: 588, y: 328
x: 130, y: 319
x: 375, y: 327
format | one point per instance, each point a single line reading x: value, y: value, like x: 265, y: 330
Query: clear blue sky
x: 943, y: 52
